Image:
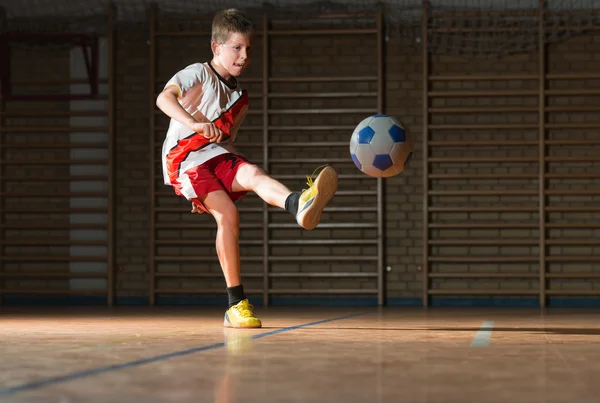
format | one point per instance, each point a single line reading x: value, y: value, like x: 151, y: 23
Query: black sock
x: 291, y: 203
x: 235, y: 294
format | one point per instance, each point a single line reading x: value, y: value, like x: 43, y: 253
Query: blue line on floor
x: 97, y: 371
x: 482, y: 337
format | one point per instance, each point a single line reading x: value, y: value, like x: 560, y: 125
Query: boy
x: 206, y: 106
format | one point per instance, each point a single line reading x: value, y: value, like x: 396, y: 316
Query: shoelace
x: 309, y: 179
x: 245, y: 311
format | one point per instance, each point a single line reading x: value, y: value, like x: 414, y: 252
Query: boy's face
x: 234, y: 55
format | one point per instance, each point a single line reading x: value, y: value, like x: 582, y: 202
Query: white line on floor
x: 482, y: 337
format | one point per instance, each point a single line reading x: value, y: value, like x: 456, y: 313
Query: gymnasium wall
x: 403, y: 206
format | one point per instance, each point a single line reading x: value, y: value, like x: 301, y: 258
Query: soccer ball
x: 380, y: 147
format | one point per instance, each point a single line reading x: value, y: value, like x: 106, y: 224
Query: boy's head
x: 231, y: 41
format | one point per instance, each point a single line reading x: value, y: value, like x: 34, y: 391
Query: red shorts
x: 215, y: 174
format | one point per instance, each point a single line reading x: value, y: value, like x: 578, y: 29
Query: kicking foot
x: 313, y: 200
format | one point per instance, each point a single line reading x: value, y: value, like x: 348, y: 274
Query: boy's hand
x: 209, y: 130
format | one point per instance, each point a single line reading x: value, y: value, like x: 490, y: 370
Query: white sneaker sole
x: 326, y: 184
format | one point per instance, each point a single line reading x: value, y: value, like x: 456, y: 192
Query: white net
x: 464, y: 27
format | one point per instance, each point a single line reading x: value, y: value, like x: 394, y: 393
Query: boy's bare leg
x: 306, y: 207
x: 226, y: 215
x: 251, y: 178
x: 228, y: 232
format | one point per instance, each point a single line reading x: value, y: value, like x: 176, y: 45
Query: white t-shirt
x: 207, y: 97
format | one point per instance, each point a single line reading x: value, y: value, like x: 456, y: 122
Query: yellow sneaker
x: 314, y: 199
x: 241, y: 315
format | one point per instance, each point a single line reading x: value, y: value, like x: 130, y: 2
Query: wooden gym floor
x: 301, y: 355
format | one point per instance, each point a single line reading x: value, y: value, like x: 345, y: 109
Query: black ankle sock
x: 235, y: 294
x: 291, y: 203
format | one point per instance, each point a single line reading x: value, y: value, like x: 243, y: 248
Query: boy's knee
x: 253, y: 171
x: 227, y: 215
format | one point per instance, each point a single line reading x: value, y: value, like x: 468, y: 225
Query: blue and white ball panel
x: 383, y: 142
x: 364, y: 155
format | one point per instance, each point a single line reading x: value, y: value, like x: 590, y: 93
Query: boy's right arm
x: 168, y: 103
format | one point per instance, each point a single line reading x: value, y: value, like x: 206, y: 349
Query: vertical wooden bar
x: 5, y: 53
x: 151, y: 139
x: 110, y: 265
x: 425, y: 50
x: 542, y: 150
x: 380, y: 218
x: 265, y: 107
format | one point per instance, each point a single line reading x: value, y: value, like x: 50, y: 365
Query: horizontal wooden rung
x: 41, y: 226
x: 572, y: 175
x: 469, y: 159
x: 469, y: 209
x: 65, y: 178
x: 475, y: 192
x: 324, y: 275
x: 46, y: 211
x: 572, y: 142
x: 323, y: 242
x: 573, y: 241
x: 481, y: 143
x: 308, y: 258
x: 483, y: 93
x: 202, y: 275
x: 53, y: 129
x: 568, y: 259
x: 484, y: 110
x: 187, y: 242
x: 44, y: 146
x: 482, y: 77
x: 572, y: 76
x: 569, y: 208
x: 31, y: 241
x: 321, y: 79
x: 194, y: 242
x: 483, y: 259
x: 488, y: 225
x: 34, y: 195
x: 573, y: 225
x: 293, y: 95
x: 578, y: 275
x: 574, y: 158
x: 55, y: 162
x: 41, y: 114
x: 211, y: 258
x: 324, y: 111
x: 310, y: 160
x: 329, y: 31
x: 42, y: 291
x: 484, y: 275
x: 204, y: 291
x: 562, y: 92
x: 48, y: 274
x: 571, y: 192
x: 348, y: 225
x: 324, y: 291
x: 42, y: 258
x: 475, y: 242
x: 482, y: 292
x: 519, y: 175
x: 572, y: 125
x: 489, y: 126
x: 573, y: 292
x: 572, y: 108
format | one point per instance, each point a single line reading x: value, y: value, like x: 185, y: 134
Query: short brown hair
x: 230, y: 21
